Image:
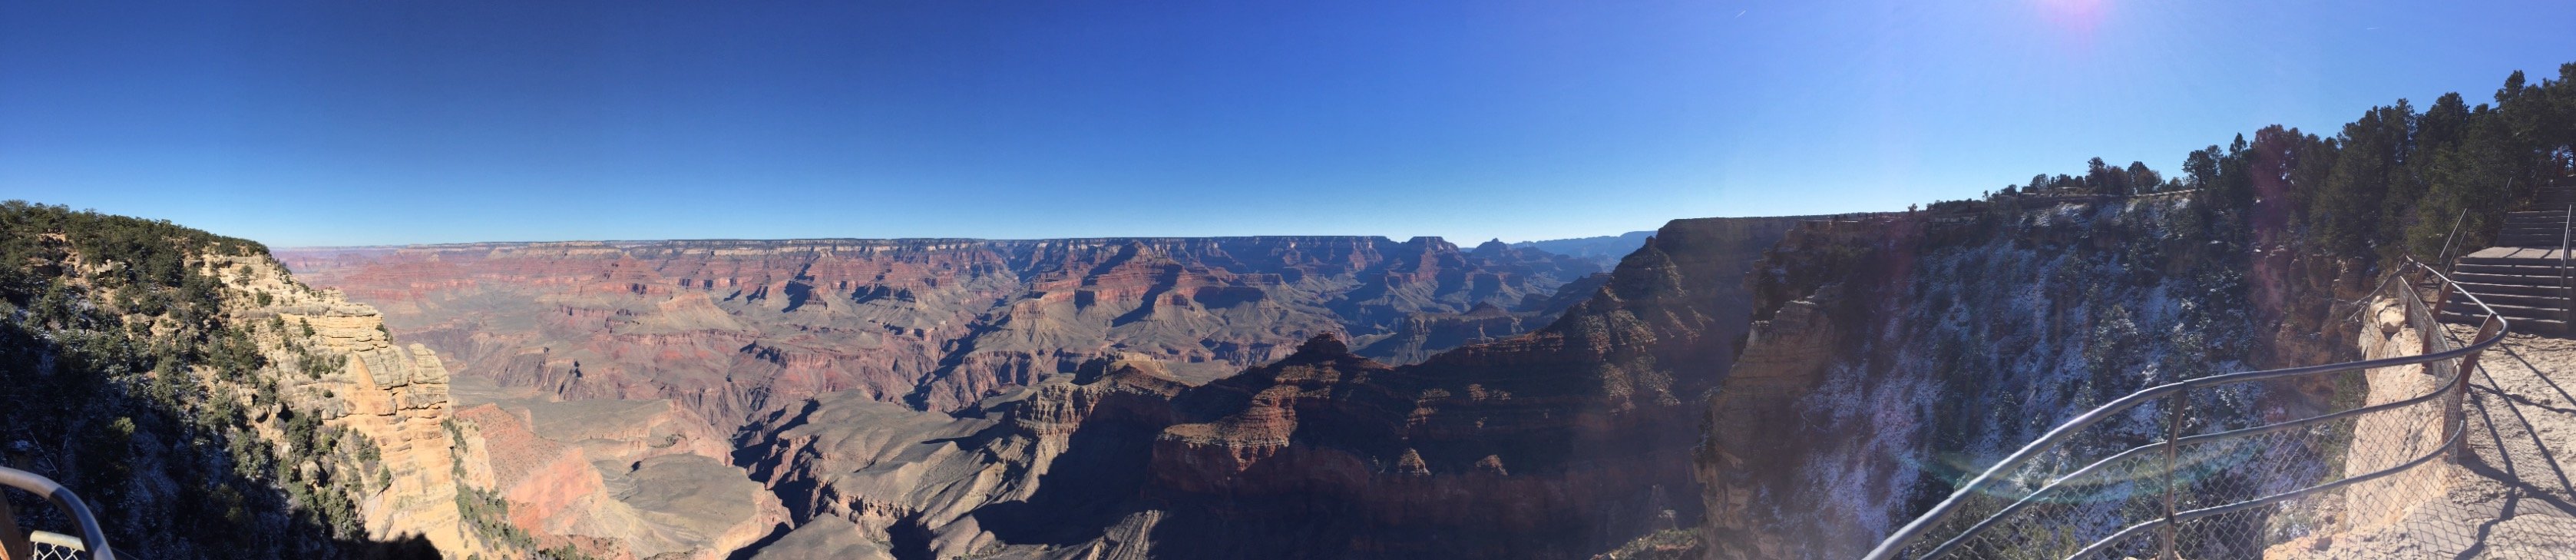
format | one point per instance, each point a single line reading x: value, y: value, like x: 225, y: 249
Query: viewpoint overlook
x: 576, y: 281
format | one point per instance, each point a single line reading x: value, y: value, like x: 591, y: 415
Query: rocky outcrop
x: 1033, y: 470
x: 612, y: 478
x: 393, y: 395
x: 730, y: 328
x: 205, y: 404
x: 826, y: 538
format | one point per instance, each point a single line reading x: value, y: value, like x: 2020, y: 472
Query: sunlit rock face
x: 322, y: 394
x: 393, y: 394
x: 729, y: 328
x: 614, y: 479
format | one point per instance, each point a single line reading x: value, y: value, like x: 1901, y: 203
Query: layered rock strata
x: 611, y: 478
x: 395, y: 395
x: 1565, y: 441
x: 730, y: 328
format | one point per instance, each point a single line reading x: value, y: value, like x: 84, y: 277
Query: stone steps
x: 2521, y: 279
x: 2537, y: 228
x: 2508, y: 269
x: 2491, y: 290
x: 2513, y: 256
x: 2524, y: 325
x: 2549, y: 302
x: 2551, y: 280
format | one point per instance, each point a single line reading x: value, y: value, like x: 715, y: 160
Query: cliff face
x: 729, y: 328
x: 1893, y: 354
x: 1564, y: 441
x: 1558, y: 443
x: 393, y: 396
x: 1043, y: 470
x: 607, y: 478
x: 207, y: 405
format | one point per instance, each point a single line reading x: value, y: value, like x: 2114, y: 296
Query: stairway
x: 2521, y: 277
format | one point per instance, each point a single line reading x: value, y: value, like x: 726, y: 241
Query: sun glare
x: 2077, y: 17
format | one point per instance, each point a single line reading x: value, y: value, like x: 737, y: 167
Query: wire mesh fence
x: 66, y: 510
x: 56, y: 546
x: 2314, y: 463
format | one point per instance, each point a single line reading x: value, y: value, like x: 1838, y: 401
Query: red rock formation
x: 1556, y: 443
x: 729, y: 327
x: 616, y: 479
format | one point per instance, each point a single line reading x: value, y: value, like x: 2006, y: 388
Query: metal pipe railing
x: 63, y: 499
x: 2566, y: 291
x: 1896, y: 545
x: 2444, y: 258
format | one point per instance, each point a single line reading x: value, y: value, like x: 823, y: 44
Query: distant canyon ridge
x: 728, y: 328
x: 1139, y: 397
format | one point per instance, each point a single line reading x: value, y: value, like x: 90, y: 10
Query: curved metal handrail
x: 1896, y: 543
x: 91, y: 539
x: 2056, y: 483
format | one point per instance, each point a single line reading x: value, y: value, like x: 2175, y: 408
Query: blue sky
x: 341, y: 123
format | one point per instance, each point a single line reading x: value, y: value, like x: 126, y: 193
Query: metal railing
x: 2096, y: 502
x: 2566, y: 289
x: 90, y: 544
x: 2444, y: 258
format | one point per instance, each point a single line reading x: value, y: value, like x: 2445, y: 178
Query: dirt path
x: 2514, y: 494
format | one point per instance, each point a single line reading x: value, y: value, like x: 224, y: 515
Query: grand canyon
x: 1044, y: 398
x: 950, y: 281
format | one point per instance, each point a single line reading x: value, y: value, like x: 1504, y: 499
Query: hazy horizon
x: 379, y: 124
x: 1459, y: 242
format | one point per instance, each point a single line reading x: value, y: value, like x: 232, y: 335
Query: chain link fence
x: 67, y: 510
x: 2294, y: 463
x: 57, y: 546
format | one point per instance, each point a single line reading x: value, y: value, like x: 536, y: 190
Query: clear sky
x: 339, y: 123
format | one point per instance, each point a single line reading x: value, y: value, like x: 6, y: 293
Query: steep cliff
x: 389, y: 398
x: 606, y: 479
x: 1893, y: 354
x: 207, y: 405
x: 729, y: 328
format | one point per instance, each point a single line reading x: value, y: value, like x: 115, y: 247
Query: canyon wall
x: 614, y: 479
x: 1564, y: 441
x: 1892, y: 355
x: 206, y: 405
x: 392, y: 396
x: 730, y: 328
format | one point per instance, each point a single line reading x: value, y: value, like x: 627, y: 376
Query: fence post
x: 2440, y: 299
x: 2454, y: 418
x: 2173, y: 453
